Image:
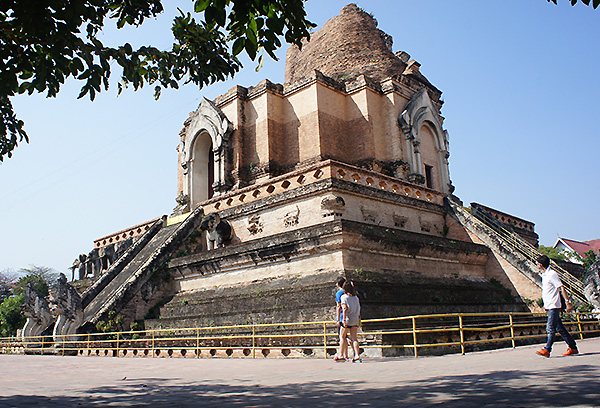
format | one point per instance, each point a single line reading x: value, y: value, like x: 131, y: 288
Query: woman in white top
x: 350, y: 320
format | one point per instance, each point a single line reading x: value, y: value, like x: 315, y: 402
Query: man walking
x: 551, y: 289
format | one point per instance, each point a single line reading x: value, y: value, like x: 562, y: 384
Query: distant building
x: 577, y: 247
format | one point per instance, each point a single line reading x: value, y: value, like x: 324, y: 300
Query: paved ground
x: 502, y: 378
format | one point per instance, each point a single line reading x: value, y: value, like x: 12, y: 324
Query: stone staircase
x: 514, y: 249
x: 125, y: 278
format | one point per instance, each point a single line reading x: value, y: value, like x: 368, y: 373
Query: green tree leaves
x: 553, y: 253
x: 588, y: 259
x: 45, y: 42
x: 595, y: 3
x: 11, y: 318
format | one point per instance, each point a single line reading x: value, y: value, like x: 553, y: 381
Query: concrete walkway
x: 501, y: 378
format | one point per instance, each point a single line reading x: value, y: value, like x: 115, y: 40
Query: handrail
x: 455, y: 331
x: 573, y: 285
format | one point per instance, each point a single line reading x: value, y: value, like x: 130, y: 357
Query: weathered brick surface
x: 348, y: 45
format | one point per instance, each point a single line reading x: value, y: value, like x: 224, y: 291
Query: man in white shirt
x: 551, y: 289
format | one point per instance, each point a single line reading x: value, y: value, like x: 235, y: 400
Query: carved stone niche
x: 332, y: 205
x: 206, y: 133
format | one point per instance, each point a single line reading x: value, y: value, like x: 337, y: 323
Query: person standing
x: 552, y: 287
x: 338, y: 317
x: 350, y: 321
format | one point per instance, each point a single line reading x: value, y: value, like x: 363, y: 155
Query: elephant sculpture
x: 106, y: 254
x: 121, y: 247
x: 92, y: 263
x: 219, y: 231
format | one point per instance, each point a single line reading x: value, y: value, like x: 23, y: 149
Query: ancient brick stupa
x: 342, y: 170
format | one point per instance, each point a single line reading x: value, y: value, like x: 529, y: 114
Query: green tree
x: 44, y: 42
x: 553, y: 253
x: 595, y: 3
x: 11, y: 318
x: 40, y: 276
x: 588, y: 258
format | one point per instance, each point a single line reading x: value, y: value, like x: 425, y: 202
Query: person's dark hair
x: 340, y: 282
x: 349, y: 288
x: 544, y: 260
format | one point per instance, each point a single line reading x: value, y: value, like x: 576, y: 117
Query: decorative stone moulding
x: 132, y: 232
x: 315, y: 173
x: 207, y: 121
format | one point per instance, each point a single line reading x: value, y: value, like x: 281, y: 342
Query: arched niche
x: 204, y: 148
x: 201, y: 169
x: 429, y: 155
x: 426, y: 143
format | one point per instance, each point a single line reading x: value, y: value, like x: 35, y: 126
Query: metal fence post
x: 118, y: 335
x: 414, y: 324
x: 197, y: 343
x: 462, y: 335
x: 579, y: 324
x: 153, y: 345
x: 325, y: 339
x: 512, y: 330
x: 253, y: 341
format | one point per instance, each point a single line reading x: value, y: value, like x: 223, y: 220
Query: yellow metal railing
x: 452, y: 332
x: 573, y: 285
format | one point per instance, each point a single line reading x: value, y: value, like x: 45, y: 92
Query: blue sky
x: 519, y: 80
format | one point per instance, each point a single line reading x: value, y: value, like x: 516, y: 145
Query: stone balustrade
x: 315, y: 173
x: 132, y: 232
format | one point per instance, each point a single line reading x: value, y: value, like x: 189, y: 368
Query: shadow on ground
x: 578, y: 385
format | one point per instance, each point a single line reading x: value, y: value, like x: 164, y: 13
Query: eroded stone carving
x: 38, y: 313
x: 399, y: 220
x: 592, y: 286
x: 255, y: 224
x: 99, y: 260
x: 107, y: 256
x: 121, y: 247
x: 79, y: 264
x: 75, y: 267
x: 92, y: 263
x: 291, y: 218
x: 369, y: 215
x: 183, y: 204
x: 426, y: 226
x: 332, y: 205
x: 219, y: 231
x: 65, y: 304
